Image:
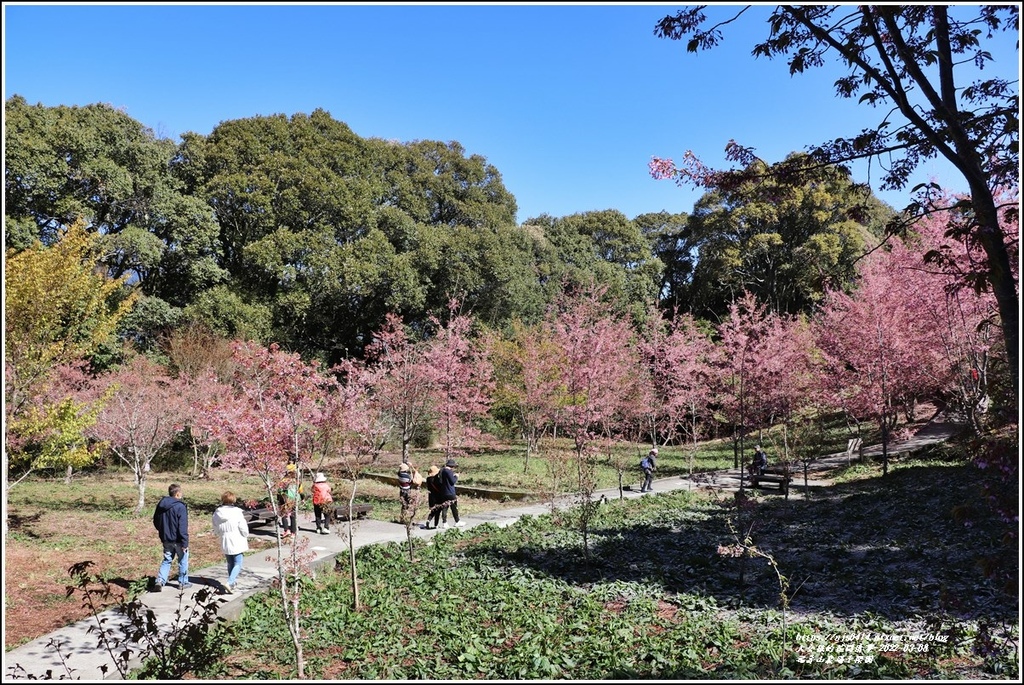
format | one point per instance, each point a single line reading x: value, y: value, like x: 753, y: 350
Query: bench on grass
x: 258, y: 517
x: 780, y: 477
x: 359, y: 511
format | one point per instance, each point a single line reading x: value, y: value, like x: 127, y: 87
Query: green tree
x: 57, y: 310
x: 97, y: 163
x: 329, y: 232
x: 603, y: 248
x: 786, y: 242
x: 436, y: 183
x: 669, y: 236
x: 921, y: 65
x: 262, y: 174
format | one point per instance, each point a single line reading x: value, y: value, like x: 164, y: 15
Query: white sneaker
x: 445, y: 525
x: 460, y: 524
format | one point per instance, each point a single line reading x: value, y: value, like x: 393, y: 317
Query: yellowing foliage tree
x: 58, y: 307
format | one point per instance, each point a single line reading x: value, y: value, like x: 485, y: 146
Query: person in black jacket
x: 649, y: 465
x: 448, y: 478
x: 433, y: 483
x: 760, y: 462
x: 171, y: 521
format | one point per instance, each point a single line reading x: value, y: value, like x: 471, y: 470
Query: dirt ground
x: 43, y: 542
x: 53, y: 527
x: 36, y: 590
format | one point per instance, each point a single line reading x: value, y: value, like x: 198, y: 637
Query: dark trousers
x: 434, y: 515
x: 450, y: 504
x: 320, y: 513
x: 648, y: 480
x: 290, y: 519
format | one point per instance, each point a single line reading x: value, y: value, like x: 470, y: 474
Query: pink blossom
x: 661, y: 168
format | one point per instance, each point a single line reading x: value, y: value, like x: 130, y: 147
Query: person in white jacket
x: 230, y: 526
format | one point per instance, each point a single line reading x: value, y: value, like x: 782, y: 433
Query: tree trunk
x: 1000, y: 274
x: 353, y: 571
x: 141, y: 480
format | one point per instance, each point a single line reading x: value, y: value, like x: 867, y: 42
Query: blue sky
x: 568, y: 102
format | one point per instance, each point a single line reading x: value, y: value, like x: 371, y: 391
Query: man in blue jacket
x: 448, y: 478
x: 171, y: 520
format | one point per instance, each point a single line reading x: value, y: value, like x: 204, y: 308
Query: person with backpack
x: 322, y: 500
x: 289, y: 492
x: 648, y: 465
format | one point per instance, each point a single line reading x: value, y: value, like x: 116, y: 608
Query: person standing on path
x: 434, y: 494
x: 171, y: 521
x: 409, y: 478
x: 230, y: 526
x: 449, y: 499
x: 289, y: 492
x: 322, y: 499
x: 649, y: 464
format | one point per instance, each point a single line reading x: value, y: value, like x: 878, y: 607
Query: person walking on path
x: 322, y: 499
x: 649, y: 464
x: 449, y: 500
x: 434, y: 494
x: 408, y: 478
x: 171, y: 521
x: 230, y: 526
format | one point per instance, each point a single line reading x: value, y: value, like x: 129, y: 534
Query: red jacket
x: 322, y: 493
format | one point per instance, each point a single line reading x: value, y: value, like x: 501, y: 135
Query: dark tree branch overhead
x: 907, y: 55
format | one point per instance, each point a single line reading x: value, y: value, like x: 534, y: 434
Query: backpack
x: 645, y: 463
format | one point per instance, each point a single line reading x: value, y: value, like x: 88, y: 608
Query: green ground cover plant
x: 877, y: 565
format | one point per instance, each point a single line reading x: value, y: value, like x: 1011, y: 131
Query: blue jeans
x: 234, y: 567
x: 173, y: 550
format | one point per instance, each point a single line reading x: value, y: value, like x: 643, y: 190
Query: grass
x: 874, y: 562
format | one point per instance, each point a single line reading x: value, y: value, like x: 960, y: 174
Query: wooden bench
x: 359, y: 511
x: 258, y: 517
x: 780, y: 477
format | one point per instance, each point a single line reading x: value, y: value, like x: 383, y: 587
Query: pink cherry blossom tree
x: 202, y: 360
x: 526, y: 379
x: 598, y: 362
x: 740, y: 375
x: 964, y: 315
x: 405, y: 386
x: 350, y: 433
x: 145, y: 411
x: 882, y: 346
x: 463, y: 381
x: 51, y: 430
x: 276, y: 406
x: 680, y: 359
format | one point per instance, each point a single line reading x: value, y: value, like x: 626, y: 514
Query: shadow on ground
x: 886, y: 546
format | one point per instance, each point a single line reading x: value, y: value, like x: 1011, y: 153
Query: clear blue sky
x: 569, y: 102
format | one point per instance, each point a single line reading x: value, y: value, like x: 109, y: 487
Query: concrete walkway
x: 87, y: 661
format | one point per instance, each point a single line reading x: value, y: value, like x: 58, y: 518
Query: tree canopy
x: 922, y: 67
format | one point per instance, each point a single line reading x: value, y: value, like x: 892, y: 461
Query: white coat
x: 230, y: 526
